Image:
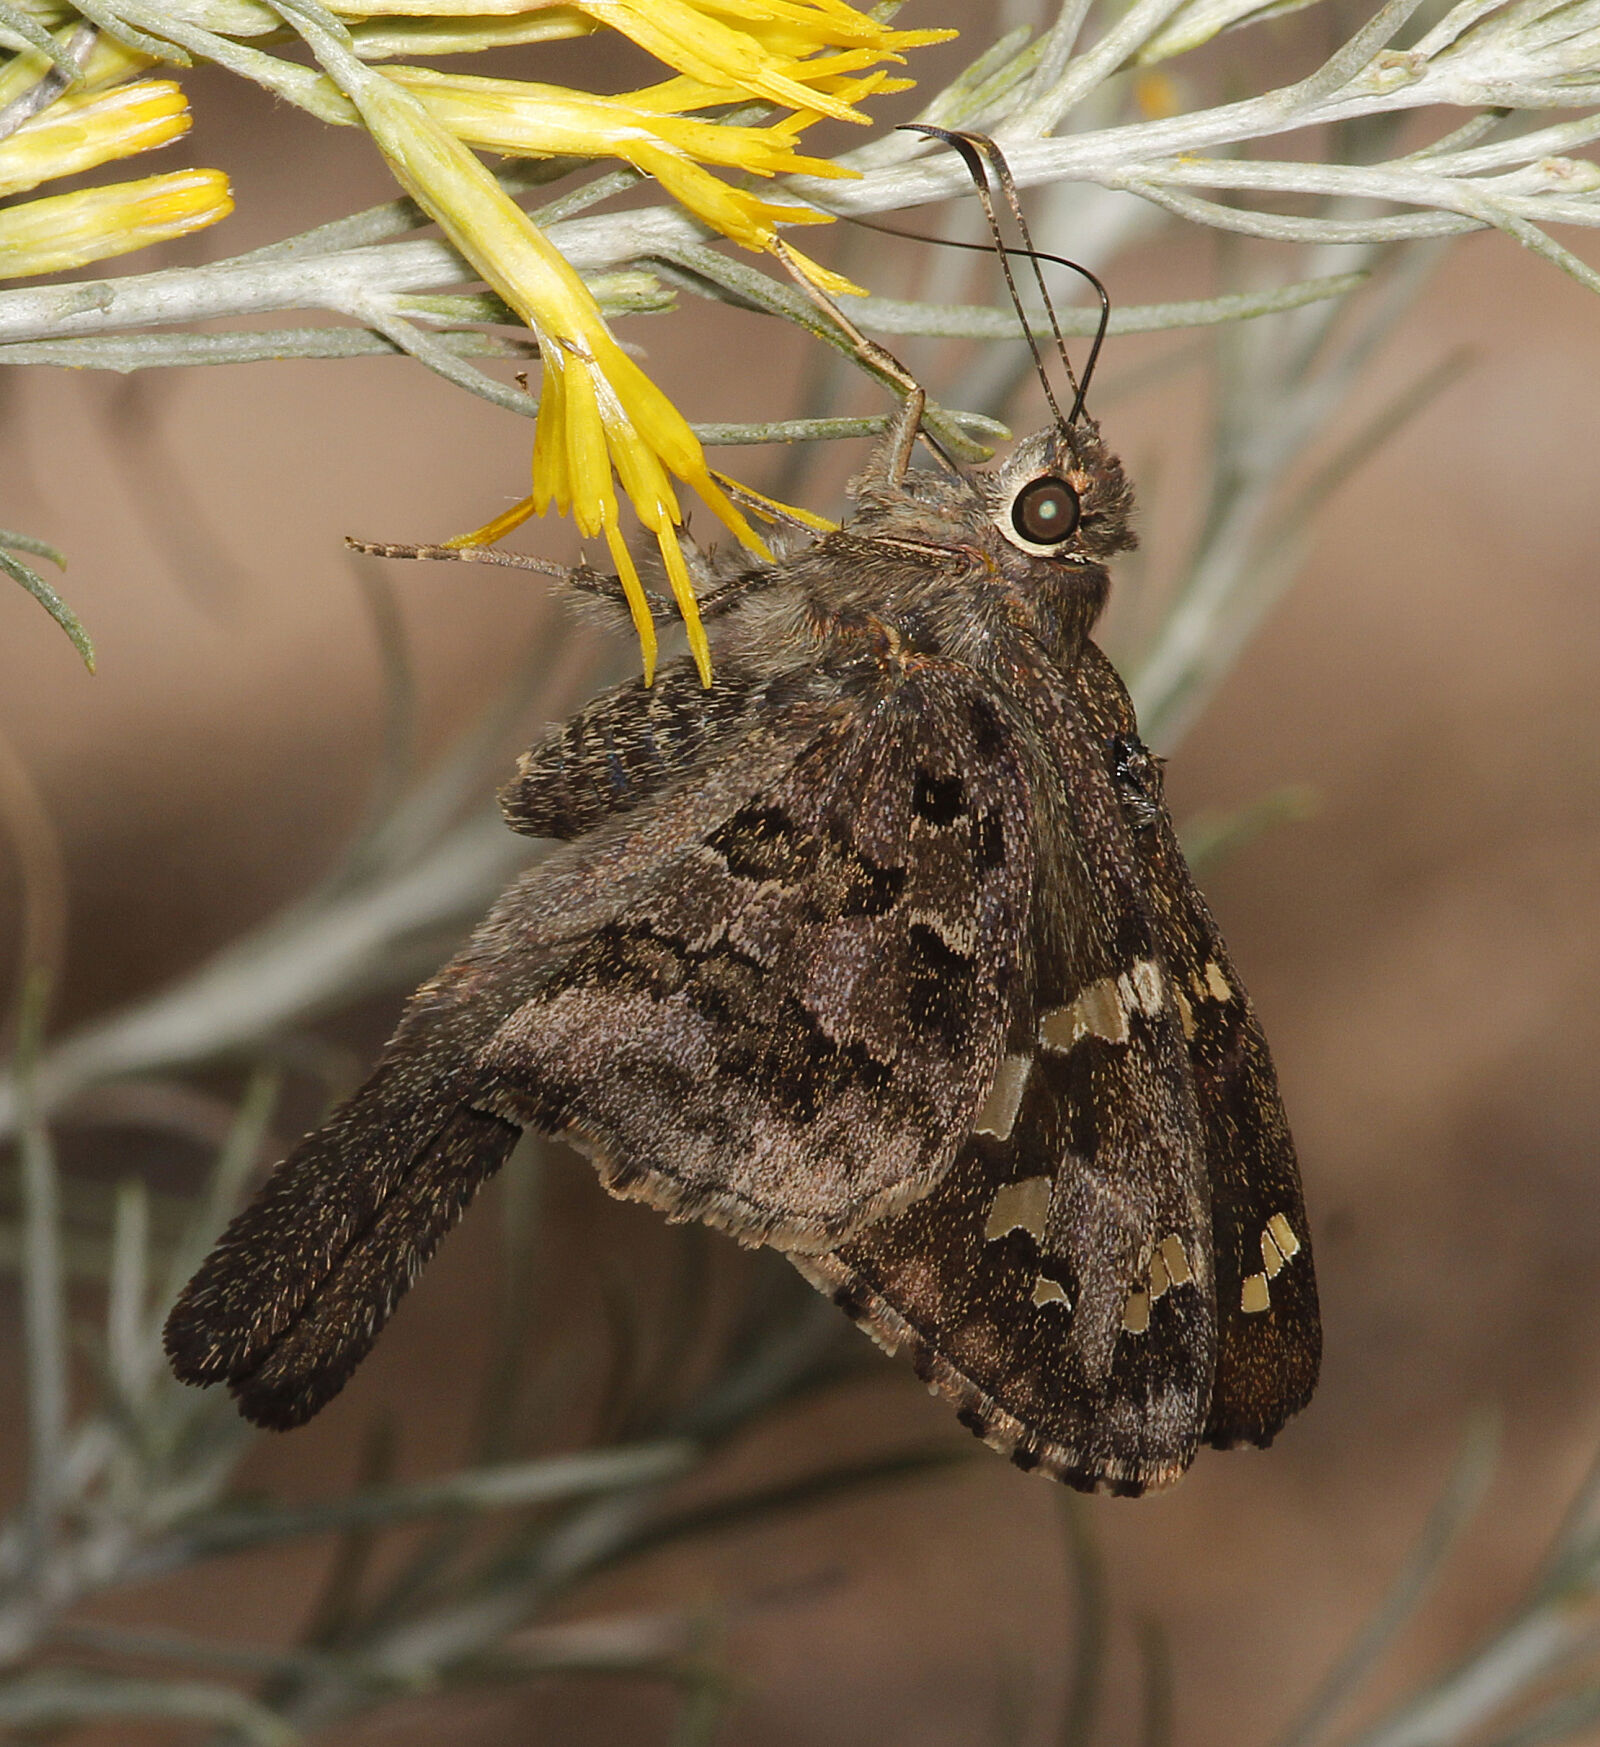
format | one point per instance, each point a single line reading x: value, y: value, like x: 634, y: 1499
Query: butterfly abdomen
x: 300, y: 1284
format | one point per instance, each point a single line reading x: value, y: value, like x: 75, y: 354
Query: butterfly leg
x: 907, y: 425
x: 463, y: 555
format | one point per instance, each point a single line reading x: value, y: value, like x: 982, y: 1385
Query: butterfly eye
x: 1045, y: 512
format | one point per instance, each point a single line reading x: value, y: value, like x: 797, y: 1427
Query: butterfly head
x: 1061, y: 496
x: 959, y: 560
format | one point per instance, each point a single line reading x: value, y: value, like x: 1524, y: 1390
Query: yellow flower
x: 602, y: 421
x: 758, y: 57
x: 97, y: 122
x: 598, y: 411
x: 675, y: 31
x: 77, y: 133
x: 530, y: 120
x: 70, y: 230
x: 512, y: 115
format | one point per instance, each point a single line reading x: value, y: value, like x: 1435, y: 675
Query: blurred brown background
x: 1423, y: 952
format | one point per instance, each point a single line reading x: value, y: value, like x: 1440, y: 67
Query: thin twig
x: 1452, y: 1511
x: 1090, y: 1627
x: 43, y: 1287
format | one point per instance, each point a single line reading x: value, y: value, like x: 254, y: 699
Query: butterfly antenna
x: 977, y: 152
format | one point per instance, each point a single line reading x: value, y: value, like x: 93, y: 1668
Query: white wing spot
x: 1019, y: 1207
x: 1098, y: 1012
x: 1160, y: 1280
x: 1047, y: 1291
x: 1254, y: 1295
x: 1136, y: 1313
x: 1176, y: 1258
x: 1217, y: 985
x: 1272, y: 1258
x: 1185, y: 1011
x: 1283, y: 1236
x: 999, y: 1113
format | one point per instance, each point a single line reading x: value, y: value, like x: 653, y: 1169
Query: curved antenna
x: 977, y: 152
x: 972, y: 157
x: 1102, y: 327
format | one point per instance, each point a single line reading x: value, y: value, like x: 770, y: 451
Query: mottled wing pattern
x: 1269, y: 1344
x: 625, y: 744
x: 788, y: 1033
x: 1057, y: 1286
x: 304, y: 1278
x: 768, y: 991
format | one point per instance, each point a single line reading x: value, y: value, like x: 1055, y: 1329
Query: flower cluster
x: 98, y: 119
x: 602, y: 421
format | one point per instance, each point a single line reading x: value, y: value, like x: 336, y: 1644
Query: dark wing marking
x: 788, y: 1032
x: 1057, y: 1286
x: 1269, y: 1331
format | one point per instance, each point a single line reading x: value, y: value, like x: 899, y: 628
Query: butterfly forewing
x: 1058, y: 1285
x: 1269, y: 1344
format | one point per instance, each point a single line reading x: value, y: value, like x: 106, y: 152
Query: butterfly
x: 880, y: 951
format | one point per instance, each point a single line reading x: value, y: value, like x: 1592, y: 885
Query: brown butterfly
x: 881, y: 951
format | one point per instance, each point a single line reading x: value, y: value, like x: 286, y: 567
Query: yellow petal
x: 701, y: 45
x: 507, y: 522
x: 824, y: 278
x: 76, y: 133
x: 551, y: 487
x: 586, y: 455
x: 644, y: 626
x: 827, y: 73
x: 736, y: 212
x: 70, y: 230
x: 683, y: 594
x: 638, y: 464
x: 784, y: 32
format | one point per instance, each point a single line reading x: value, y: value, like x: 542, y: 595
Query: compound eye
x: 1045, y: 512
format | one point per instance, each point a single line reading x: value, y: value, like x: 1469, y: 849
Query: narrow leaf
x: 52, y: 603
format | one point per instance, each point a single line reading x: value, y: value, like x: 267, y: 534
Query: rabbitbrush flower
x: 602, y: 421
x: 648, y: 130
x: 80, y: 131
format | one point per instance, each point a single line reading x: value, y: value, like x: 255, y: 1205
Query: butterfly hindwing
x: 788, y: 1032
x: 303, y: 1279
